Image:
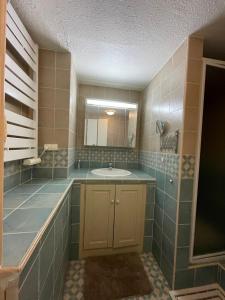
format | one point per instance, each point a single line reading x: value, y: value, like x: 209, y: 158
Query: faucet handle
x: 110, y: 165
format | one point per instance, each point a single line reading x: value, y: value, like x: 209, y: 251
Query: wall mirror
x: 110, y: 123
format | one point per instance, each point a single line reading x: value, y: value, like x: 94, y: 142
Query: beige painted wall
x: 163, y: 99
x: 101, y: 93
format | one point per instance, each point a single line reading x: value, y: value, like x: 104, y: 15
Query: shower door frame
x: 216, y: 256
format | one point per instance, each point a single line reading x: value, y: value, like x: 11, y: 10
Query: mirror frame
x: 137, y: 102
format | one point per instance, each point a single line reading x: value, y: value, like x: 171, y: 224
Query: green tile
x: 171, y: 186
x: 205, y: 275
x: 75, y: 214
x: 169, y: 228
x: 186, y: 190
x: 170, y: 206
x: 75, y: 194
x: 42, y: 200
x: 13, y: 200
x: 53, y: 188
x: 184, y: 279
x: 182, y: 258
x: 184, y: 235
x: 148, y: 228
x: 185, y: 211
x: 15, y: 247
x: 26, y: 220
x: 75, y: 233
x: 29, y: 289
x: 46, y: 256
x: 147, y: 247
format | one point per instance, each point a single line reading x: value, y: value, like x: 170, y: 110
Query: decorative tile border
x: 107, y: 155
x: 188, y: 166
x: 163, y: 162
x: 15, y: 173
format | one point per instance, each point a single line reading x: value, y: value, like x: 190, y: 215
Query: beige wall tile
x: 61, y: 119
x: 189, y: 142
x: 191, y: 118
x: 164, y: 99
x: 62, y: 99
x: 46, y: 58
x: 192, y: 94
x: 46, y: 97
x: 46, y: 77
x: 195, y: 48
x: 61, y: 135
x: 46, y: 136
x: 62, y: 79
x: 46, y: 117
x: 63, y: 60
x: 194, y: 71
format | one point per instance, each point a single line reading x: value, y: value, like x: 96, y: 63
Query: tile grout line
x: 25, y: 200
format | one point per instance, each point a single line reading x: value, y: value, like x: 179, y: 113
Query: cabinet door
x: 99, y: 216
x: 129, y: 215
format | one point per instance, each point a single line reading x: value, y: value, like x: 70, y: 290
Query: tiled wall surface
x: 163, y: 100
x: 15, y: 173
x: 75, y: 222
x: 54, y: 98
x: 164, y: 167
x: 94, y: 157
x: 54, y: 164
x: 57, y: 113
x: 43, y: 276
x: 184, y: 276
x: 149, y: 218
x: 173, y: 96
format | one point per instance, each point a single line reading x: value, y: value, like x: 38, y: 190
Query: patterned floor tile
x: 73, y: 289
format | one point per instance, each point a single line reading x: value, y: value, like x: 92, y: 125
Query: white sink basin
x: 110, y: 172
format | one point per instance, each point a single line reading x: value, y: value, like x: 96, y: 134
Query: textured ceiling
x: 122, y: 42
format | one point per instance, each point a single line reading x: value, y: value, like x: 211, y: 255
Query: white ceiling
x: 122, y: 42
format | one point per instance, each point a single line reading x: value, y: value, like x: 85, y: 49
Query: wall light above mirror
x: 110, y: 123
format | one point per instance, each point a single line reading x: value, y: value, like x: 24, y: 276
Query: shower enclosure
x: 208, y: 228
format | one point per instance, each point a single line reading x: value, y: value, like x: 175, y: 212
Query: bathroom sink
x: 112, y: 172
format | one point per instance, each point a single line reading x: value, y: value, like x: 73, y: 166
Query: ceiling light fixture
x: 110, y: 103
x: 110, y: 112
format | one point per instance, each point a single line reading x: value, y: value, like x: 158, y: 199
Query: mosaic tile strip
x: 163, y: 162
x: 107, y: 154
x: 71, y: 156
x: 15, y: 173
x: 74, y: 283
x: 188, y: 166
x: 60, y: 158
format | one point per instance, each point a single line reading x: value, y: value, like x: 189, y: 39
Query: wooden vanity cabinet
x: 112, y: 218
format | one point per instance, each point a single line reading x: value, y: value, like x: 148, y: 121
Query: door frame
x: 2, y: 105
x: 210, y: 257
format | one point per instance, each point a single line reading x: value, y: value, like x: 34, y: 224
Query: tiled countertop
x: 28, y: 207
x: 26, y: 210
x: 136, y: 176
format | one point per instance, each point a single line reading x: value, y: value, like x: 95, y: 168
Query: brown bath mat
x: 114, y: 277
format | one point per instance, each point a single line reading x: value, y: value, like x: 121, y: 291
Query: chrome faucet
x: 78, y: 164
x: 110, y: 166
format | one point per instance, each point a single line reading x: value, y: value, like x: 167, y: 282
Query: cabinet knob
x: 112, y: 201
x: 171, y: 180
x: 117, y: 202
